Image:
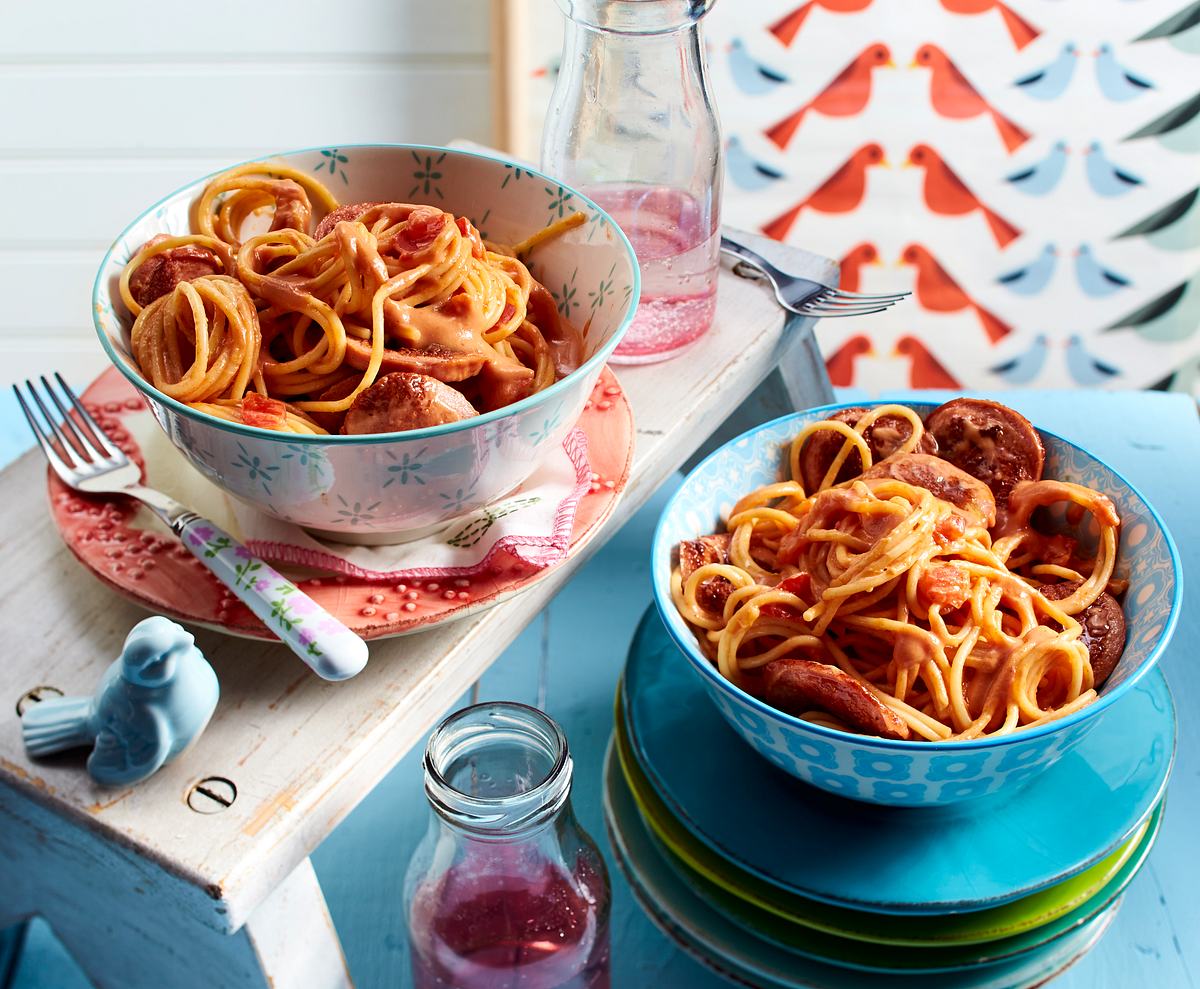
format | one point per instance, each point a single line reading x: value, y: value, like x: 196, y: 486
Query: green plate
x: 1056, y: 906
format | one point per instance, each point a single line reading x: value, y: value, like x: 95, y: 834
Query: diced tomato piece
x: 469, y: 231
x: 420, y: 230
x: 945, y: 585
x: 799, y: 584
x: 259, y: 410
x: 949, y: 529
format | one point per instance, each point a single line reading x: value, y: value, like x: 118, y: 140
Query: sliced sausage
x: 350, y: 211
x: 403, y: 400
x: 991, y: 442
x: 564, y: 340
x: 696, y: 553
x: 331, y: 422
x: 884, y: 437
x: 437, y: 362
x: 945, y: 481
x: 1103, y: 630
x: 798, y: 685
x: 158, y: 276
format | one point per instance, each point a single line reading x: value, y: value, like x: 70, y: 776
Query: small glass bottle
x: 506, y: 891
x: 632, y: 125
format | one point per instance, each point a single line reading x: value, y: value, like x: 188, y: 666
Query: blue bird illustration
x: 1026, y: 366
x: 1050, y: 81
x: 745, y: 171
x: 1084, y: 368
x: 1168, y: 318
x: 1033, y: 277
x: 1041, y: 177
x: 1117, y: 83
x: 1105, y: 178
x: 1175, y: 227
x: 750, y: 75
x: 151, y: 704
x: 1096, y: 280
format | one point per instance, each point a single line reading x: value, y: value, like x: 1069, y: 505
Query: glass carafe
x: 632, y: 125
x: 506, y: 891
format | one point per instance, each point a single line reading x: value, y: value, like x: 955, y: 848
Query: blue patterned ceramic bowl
x: 914, y: 773
x: 391, y: 486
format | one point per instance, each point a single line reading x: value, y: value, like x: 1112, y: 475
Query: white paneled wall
x: 107, y: 107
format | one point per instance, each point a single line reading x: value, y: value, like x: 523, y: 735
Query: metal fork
x: 87, y: 460
x: 800, y: 295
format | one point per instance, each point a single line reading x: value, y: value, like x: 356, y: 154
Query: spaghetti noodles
x: 910, y: 600
x: 258, y: 301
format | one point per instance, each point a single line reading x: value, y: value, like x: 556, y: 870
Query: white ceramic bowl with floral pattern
x: 394, y: 486
x: 916, y: 773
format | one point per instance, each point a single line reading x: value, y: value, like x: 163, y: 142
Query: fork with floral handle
x: 87, y: 460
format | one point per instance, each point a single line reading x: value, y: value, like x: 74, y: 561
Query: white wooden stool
x: 199, y: 878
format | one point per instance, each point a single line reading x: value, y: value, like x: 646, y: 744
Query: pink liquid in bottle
x: 678, y: 248
x: 494, y: 921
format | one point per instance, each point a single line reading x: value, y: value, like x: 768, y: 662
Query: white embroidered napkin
x: 529, y: 530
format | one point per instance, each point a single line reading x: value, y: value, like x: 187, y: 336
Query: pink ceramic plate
x: 128, y: 549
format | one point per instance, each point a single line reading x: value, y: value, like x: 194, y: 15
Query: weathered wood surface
x: 303, y: 752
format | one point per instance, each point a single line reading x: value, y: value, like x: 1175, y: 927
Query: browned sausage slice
x: 945, y: 481
x: 402, y: 401
x: 157, y: 276
x: 798, y: 685
x: 350, y: 211
x: 696, y: 553
x: 990, y: 441
x: 884, y: 437
x: 1103, y: 624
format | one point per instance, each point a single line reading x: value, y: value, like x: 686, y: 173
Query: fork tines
x: 70, y: 442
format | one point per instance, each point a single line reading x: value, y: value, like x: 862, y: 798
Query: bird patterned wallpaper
x: 1029, y: 168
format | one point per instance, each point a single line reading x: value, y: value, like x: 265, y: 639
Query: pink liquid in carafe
x: 678, y: 249
x: 488, y: 926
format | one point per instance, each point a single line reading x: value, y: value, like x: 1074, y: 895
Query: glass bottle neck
x: 498, y: 771
x: 635, y: 17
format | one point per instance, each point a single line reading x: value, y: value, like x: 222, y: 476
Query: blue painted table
x: 1153, y: 438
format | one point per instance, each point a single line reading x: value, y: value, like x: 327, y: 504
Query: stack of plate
x: 774, y: 883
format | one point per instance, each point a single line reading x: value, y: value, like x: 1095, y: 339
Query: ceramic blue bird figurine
x: 152, y: 703
x: 1050, y: 81
x: 1040, y: 178
x: 750, y: 75
x: 1094, y: 279
x: 1023, y: 368
x: 1105, y: 178
x: 745, y: 171
x: 1086, y: 369
x: 1168, y: 318
x: 1033, y: 277
x: 1117, y: 83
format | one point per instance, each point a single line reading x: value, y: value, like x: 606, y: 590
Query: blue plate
x: 930, y: 860
x: 714, y: 941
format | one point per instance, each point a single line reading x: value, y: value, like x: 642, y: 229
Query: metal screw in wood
x: 31, y: 697
x: 212, y: 795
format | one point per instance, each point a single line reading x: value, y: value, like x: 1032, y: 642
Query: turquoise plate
x: 710, y: 938
x: 931, y: 860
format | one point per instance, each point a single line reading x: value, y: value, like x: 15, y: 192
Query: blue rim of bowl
x: 668, y: 614
x: 593, y: 363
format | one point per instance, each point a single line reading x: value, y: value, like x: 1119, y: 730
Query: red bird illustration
x: 1021, y: 30
x: 852, y: 264
x: 844, y: 96
x: 947, y: 194
x: 840, y: 193
x: 840, y: 364
x: 926, y: 370
x: 952, y: 95
x: 788, y: 26
x: 937, y: 291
